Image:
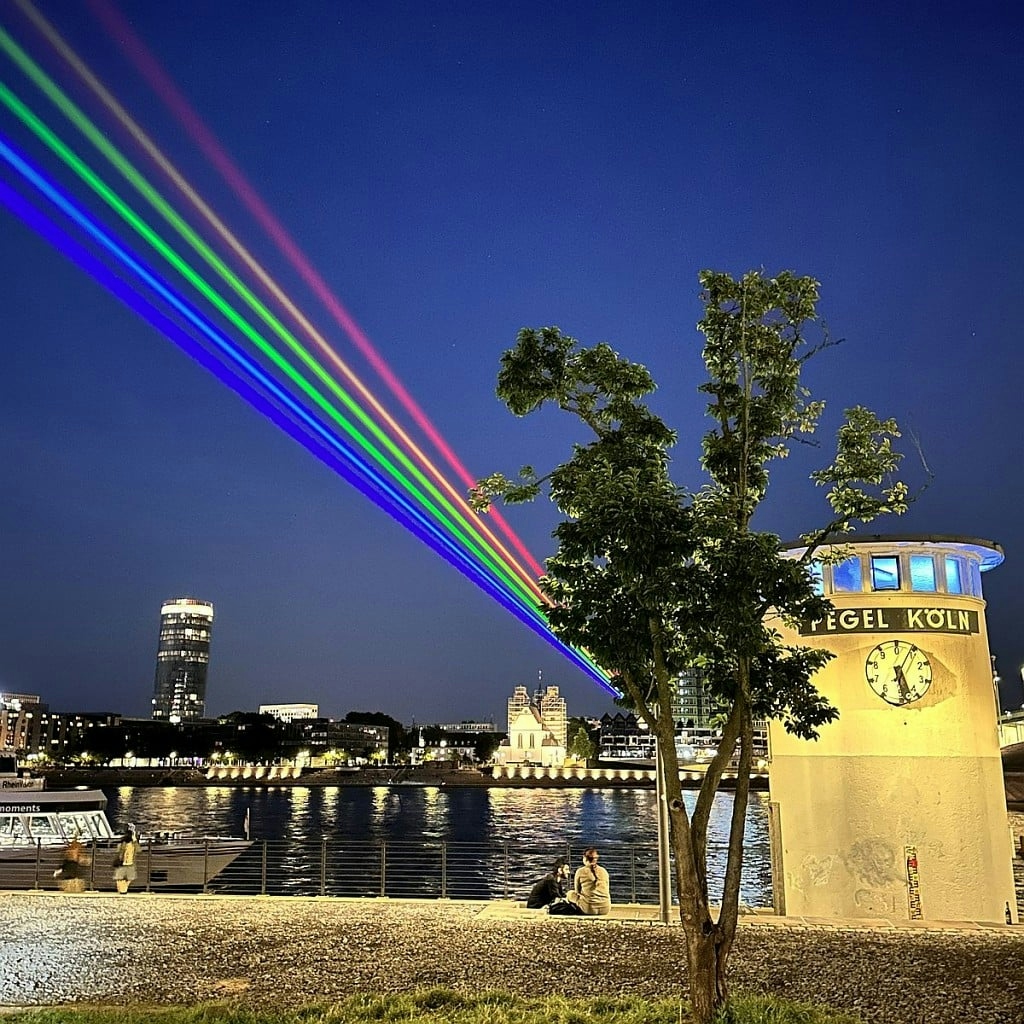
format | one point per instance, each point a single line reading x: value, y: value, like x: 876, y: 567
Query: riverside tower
x: 898, y: 810
x: 179, y: 690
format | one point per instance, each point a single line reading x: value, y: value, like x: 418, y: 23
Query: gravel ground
x: 271, y: 951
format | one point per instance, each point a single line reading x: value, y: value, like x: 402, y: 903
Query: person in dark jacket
x: 550, y: 888
x: 73, y: 870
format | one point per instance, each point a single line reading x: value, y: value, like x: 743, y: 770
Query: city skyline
x: 456, y: 175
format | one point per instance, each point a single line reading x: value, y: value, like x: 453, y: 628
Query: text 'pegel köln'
x: 905, y: 620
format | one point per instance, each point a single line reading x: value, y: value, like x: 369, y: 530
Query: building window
x: 954, y: 576
x: 975, y: 571
x: 817, y: 579
x: 846, y: 576
x: 885, y: 572
x: 922, y: 573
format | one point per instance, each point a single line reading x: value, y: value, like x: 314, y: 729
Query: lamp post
x: 664, y: 863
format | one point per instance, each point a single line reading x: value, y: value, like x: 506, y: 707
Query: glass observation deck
x: 905, y: 564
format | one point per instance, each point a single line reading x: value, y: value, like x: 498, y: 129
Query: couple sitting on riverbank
x: 590, y: 894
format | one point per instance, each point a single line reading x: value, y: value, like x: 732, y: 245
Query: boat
x: 37, y: 825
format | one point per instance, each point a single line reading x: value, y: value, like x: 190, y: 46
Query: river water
x: 537, y: 825
x: 303, y: 824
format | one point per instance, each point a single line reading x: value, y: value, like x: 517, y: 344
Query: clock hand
x: 901, y: 682
x: 910, y: 654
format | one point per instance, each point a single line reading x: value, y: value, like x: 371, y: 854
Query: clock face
x: 898, y: 671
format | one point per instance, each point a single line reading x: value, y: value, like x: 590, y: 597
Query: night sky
x: 456, y: 172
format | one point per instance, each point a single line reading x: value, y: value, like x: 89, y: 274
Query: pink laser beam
x: 161, y: 161
x: 119, y: 30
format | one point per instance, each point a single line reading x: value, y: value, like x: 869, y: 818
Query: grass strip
x: 441, y: 1006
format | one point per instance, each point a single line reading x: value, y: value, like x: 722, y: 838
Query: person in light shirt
x: 591, y: 888
x: 125, y: 859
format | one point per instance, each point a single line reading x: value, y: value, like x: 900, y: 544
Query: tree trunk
x: 707, y: 969
x: 706, y: 954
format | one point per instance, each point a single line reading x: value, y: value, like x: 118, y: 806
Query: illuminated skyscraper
x: 179, y: 691
x: 692, y: 707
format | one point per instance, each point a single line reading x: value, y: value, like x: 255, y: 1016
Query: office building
x: 179, y: 691
x: 17, y: 701
x: 692, y: 706
x: 33, y: 729
x: 315, y: 737
x: 470, y: 727
x: 290, y: 712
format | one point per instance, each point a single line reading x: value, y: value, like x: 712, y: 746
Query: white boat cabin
x: 53, y: 818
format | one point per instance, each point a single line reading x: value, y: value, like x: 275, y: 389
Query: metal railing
x: 368, y: 868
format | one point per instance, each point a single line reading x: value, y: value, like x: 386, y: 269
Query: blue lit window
x: 885, y: 572
x: 975, y: 579
x: 846, y: 576
x: 922, y: 572
x: 816, y: 576
x: 954, y: 576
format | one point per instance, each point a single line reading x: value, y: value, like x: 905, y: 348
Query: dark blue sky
x: 458, y: 171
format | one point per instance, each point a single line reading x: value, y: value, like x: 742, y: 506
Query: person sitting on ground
x: 550, y: 888
x: 591, y: 889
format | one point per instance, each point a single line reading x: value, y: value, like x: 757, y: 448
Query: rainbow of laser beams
x: 323, y: 444
x: 45, y: 84
x: 75, y: 115
x: 592, y: 670
x: 30, y: 120
x: 136, y: 51
x: 13, y: 104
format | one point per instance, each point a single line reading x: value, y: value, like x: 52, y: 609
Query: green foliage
x: 440, y: 1006
x: 581, y: 745
x: 655, y: 580
x: 486, y: 746
x: 770, y: 1010
x: 399, y: 740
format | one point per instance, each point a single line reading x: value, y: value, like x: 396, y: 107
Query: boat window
x: 885, y: 572
x: 100, y: 825
x: 12, y: 828
x: 42, y: 826
x: 81, y: 826
x: 922, y: 572
x: 954, y: 577
x: 67, y: 825
x: 846, y: 576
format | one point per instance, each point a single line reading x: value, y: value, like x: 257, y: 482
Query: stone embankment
x: 268, y: 952
x: 626, y: 778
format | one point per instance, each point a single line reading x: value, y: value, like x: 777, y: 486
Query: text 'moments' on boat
x: 898, y: 810
x: 183, y: 655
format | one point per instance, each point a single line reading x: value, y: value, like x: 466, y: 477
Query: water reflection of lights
x: 548, y: 820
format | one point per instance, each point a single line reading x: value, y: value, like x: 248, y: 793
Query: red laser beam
x: 147, y: 65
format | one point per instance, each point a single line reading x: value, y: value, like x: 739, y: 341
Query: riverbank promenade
x: 144, y: 949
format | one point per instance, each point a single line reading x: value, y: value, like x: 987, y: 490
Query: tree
x: 399, y: 741
x: 486, y: 746
x: 654, y: 579
x: 253, y: 738
x: 581, y: 745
